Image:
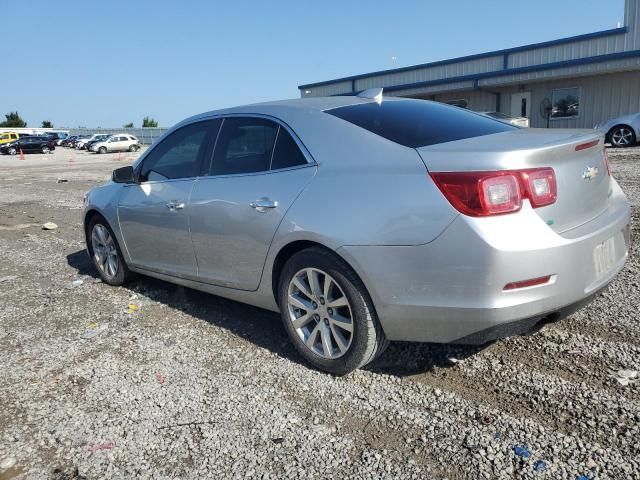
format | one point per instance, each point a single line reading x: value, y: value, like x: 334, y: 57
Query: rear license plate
x: 604, y: 257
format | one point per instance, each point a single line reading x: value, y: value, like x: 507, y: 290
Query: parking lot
x: 159, y: 381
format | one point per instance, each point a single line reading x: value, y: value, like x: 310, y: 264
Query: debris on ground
x: 49, y: 226
x: 100, y: 447
x: 93, y: 331
x: 74, y: 284
x: 7, y: 463
x: 62, y: 180
x: 161, y: 378
x: 576, y: 352
x: 539, y: 466
x: 8, y: 278
x: 626, y: 377
x: 132, y: 308
x: 521, y: 451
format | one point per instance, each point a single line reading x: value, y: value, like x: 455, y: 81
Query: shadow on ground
x: 264, y: 329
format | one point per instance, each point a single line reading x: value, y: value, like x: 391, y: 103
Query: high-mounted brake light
x: 481, y: 194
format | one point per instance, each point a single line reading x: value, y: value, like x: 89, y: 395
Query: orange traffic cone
x: 21, y: 155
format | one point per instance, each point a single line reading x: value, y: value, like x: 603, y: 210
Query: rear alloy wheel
x: 45, y: 149
x: 12, y: 151
x: 133, y: 148
x: 622, y: 136
x: 106, y: 254
x: 102, y: 150
x: 328, y: 313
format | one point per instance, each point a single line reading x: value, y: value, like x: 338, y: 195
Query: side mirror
x: 123, y: 175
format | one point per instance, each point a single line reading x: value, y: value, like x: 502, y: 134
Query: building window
x: 462, y: 103
x: 565, y: 103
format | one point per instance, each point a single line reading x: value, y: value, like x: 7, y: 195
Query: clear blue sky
x: 105, y: 64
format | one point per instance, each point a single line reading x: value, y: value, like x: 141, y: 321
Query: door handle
x: 263, y: 204
x: 173, y: 205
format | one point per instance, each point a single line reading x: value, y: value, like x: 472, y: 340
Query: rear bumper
x: 451, y: 290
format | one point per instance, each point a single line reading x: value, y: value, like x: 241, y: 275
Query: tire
x: 45, y: 150
x: 133, y: 148
x: 622, y: 136
x: 102, y: 150
x: 12, y: 151
x: 347, y: 351
x: 113, y: 276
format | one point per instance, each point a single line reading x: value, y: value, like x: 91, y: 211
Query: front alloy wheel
x: 105, y: 253
x: 12, y: 151
x: 320, y: 313
x: 622, y: 137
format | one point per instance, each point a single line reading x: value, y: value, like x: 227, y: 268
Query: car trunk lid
x: 576, y: 157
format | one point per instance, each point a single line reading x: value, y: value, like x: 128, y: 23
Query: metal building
x: 573, y: 82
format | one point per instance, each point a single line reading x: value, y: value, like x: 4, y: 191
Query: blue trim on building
x: 505, y: 52
x: 510, y: 71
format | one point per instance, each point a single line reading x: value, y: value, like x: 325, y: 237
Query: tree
x: 128, y: 125
x: 13, y: 120
x: 47, y: 124
x: 148, y: 122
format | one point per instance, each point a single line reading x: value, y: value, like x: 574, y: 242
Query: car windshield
x: 418, y: 123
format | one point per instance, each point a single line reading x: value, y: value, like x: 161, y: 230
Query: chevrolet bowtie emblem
x: 590, y: 173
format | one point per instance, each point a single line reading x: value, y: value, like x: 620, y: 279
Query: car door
x: 154, y: 212
x: 235, y: 211
x: 27, y: 145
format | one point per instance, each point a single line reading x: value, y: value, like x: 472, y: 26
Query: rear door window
x: 418, y: 123
x: 245, y: 145
x: 286, y: 153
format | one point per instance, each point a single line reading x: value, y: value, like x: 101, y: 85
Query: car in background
x: 80, y: 138
x: 502, y: 117
x: 81, y: 144
x: 67, y: 142
x: 364, y: 219
x: 8, y: 137
x: 120, y: 142
x: 621, y: 132
x: 97, y: 139
x: 29, y: 144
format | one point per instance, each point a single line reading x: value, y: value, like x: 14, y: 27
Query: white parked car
x: 517, y: 121
x: 622, y: 131
x: 120, y: 142
x: 81, y: 144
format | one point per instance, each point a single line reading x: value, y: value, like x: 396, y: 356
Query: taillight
x: 606, y: 161
x: 540, y: 184
x: 480, y: 194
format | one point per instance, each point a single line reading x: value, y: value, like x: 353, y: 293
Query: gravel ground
x: 188, y: 385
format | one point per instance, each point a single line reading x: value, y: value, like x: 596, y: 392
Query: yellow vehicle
x: 8, y: 137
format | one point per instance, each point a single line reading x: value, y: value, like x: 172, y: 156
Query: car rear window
x: 418, y: 123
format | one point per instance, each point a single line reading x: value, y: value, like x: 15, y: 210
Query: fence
x: 146, y: 135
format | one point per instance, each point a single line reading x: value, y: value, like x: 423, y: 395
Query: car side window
x: 286, y: 153
x: 245, y: 145
x: 177, y: 156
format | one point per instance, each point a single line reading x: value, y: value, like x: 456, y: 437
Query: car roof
x: 309, y: 104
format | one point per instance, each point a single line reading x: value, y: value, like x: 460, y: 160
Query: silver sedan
x: 364, y: 219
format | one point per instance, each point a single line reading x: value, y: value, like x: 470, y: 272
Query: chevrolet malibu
x: 365, y: 219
